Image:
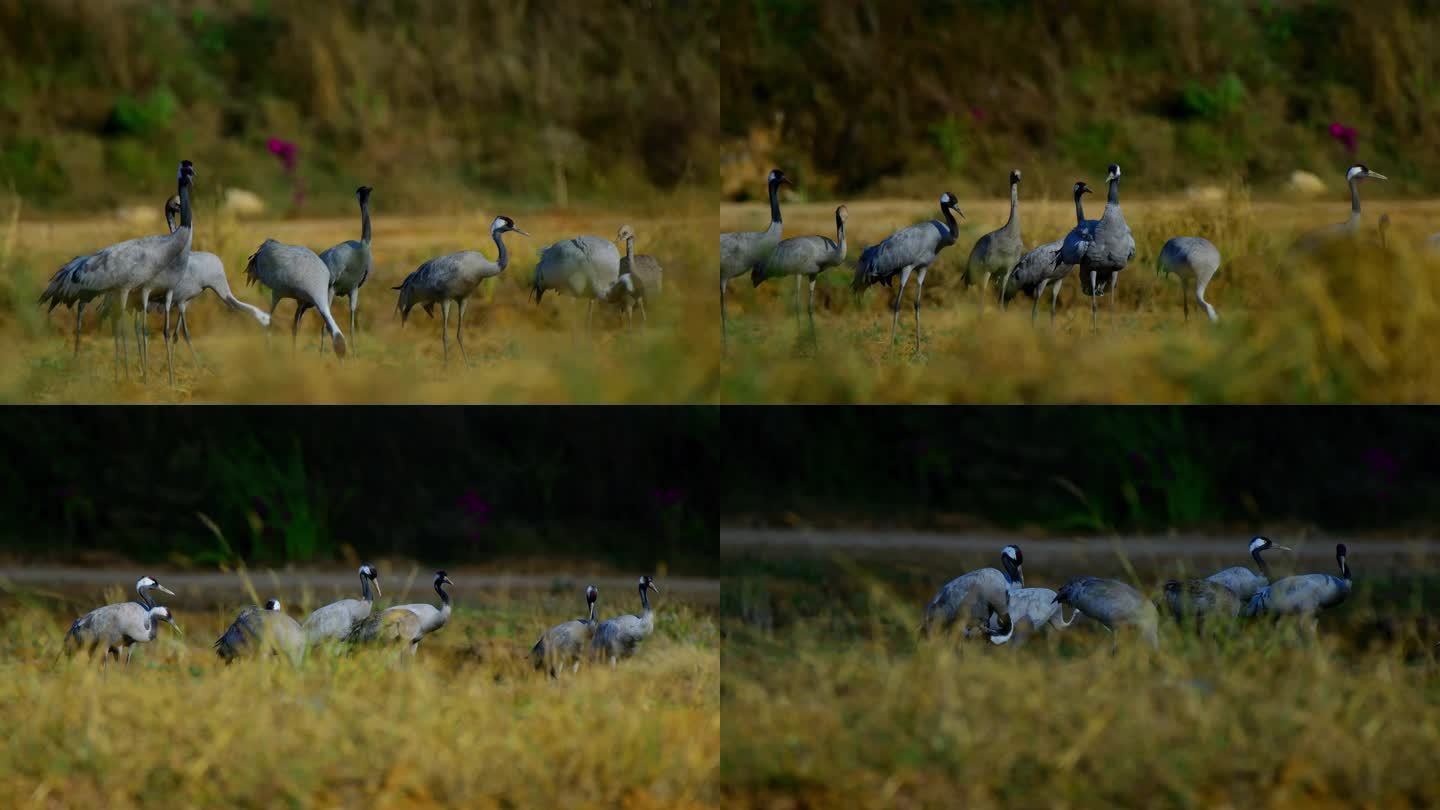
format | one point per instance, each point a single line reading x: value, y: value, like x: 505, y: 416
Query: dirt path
x: 216, y: 585
x: 1311, y: 551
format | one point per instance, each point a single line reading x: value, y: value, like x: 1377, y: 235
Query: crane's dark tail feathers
x: 757, y: 275
x: 252, y: 276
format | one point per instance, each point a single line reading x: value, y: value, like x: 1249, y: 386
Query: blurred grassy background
x: 912, y: 97
x: 509, y: 488
x: 465, y: 723
x: 440, y: 107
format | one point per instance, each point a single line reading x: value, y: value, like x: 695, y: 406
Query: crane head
x: 949, y: 201
x: 591, y: 594
x: 363, y: 193
x: 440, y: 577
x: 1082, y: 188
x: 1014, y: 176
x: 1114, y: 173
x: 842, y: 215
x: 625, y: 234
x: 272, y: 604
x: 163, y: 614
x: 504, y: 224
x: 146, y: 583
x: 1361, y: 172
x: 647, y: 582
x: 777, y: 177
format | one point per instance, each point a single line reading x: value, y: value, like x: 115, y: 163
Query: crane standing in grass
x: 395, y: 625
x: 258, y: 631
x: 1102, y: 250
x: 454, y: 277
x: 908, y: 250
x: 119, y: 626
x: 1315, y: 240
x: 564, y: 643
x: 587, y: 267
x: 646, y: 268
x: 742, y: 251
x: 293, y: 271
x: 1304, y: 595
x: 997, y: 252
x: 335, y: 620
x: 1114, y: 604
x: 1194, y: 260
x: 1038, y: 267
x: 619, y: 637
x: 977, y: 601
x: 349, y: 263
x: 808, y: 257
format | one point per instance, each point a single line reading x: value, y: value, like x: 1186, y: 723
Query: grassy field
x: 1356, y: 327
x: 828, y: 699
x: 466, y: 723
x: 518, y: 352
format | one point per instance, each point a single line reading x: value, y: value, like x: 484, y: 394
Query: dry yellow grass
x: 466, y: 723
x: 518, y: 352
x: 1357, y: 327
x: 828, y: 699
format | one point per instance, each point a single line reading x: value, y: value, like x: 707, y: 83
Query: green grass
x: 467, y: 722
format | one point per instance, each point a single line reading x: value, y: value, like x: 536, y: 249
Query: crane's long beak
x: 163, y: 589
x: 1375, y: 175
x: 654, y: 587
x: 1284, y: 548
x: 175, y: 627
x: 447, y: 581
x: 522, y: 233
x: 376, y: 582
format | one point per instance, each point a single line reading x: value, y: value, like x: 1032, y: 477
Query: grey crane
x: 334, y: 621
x: 808, y: 257
x: 1303, y: 595
x: 1034, y: 608
x: 629, y: 288
x: 1243, y: 582
x: 1038, y: 267
x: 1194, y: 260
x: 1114, y: 604
x: 741, y: 251
x: 294, y: 271
x: 126, y: 266
x: 389, y: 627
x: 587, y: 267
x: 204, y: 272
x: 453, y: 278
x: 997, y: 252
x: 349, y: 264
x: 619, y: 637
x: 258, y: 631
x: 908, y: 250
x: 1201, y: 600
x: 1103, y: 250
x: 564, y: 643
x: 973, y: 599
x: 114, y: 627
x: 1317, y: 239
x: 646, y: 268
x: 431, y: 619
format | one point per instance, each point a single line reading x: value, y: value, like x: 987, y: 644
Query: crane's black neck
x: 592, y: 612
x: 502, y: 259
x: 840, y: 235
x: 144, y: 591
x: 630, y: 254
x: 774, y: 202
x: 644, y: 599
x: 951, y: 224
x: 185, y: 203
x: 1113, y: 196
x: 1260, y: 561
x: 1014, y: 220
x: 440, y: 589
x: 1344, y: 568
x: 1013, y: 575
x: 1079, y: 207
x: 1355, y: 197
x: 365, y: 589
x: 365, y: 220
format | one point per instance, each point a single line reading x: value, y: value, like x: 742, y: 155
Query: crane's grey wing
x: 904, y: 248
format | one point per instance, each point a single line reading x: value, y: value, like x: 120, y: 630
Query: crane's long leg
x: 295, y: 326
x: 185, y: 329
x: 984, y: 290
x: 724, y: 328
x: 1035, y: 307
x: 274, y: 304
x: 589, y: 313
x: 1055, y: 299
x: 459, y: 335
x: 354, y: 299
x: 79, y: 310
x: 919, y: 290
x: 900, y: 293
x: 1094, y: 293
x: 810, y: 309
x: 444, y: 330
x: 144, y: 333
x: 1005, y: 287
x: 1185, y: 300
x: 120, y: 333
x: 169, y: 344
x: 644, y: 319
x: 797, y: 299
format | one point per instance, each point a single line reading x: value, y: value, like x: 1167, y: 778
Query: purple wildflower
x: 1346, y: 136
x: 286, y: 151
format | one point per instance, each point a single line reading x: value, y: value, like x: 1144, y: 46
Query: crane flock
x: 1096, y: 249
x: 995, y: 603
x: 266, y: 630
x: 168, y: 274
